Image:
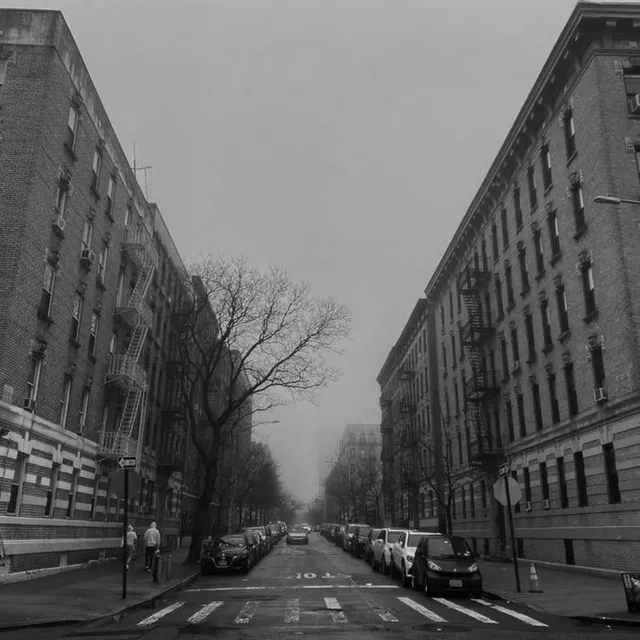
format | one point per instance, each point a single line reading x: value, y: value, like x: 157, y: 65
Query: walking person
x: 151, y: 543
x: 129, y: 546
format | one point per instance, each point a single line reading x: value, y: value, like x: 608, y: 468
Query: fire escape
x: 482, y: 387
x: 124, y: 370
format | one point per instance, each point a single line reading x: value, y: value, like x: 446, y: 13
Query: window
x: 546, y: 324
x: 581, y: 479
x: 102, y: 263
x: 33, y: 383
x: 517, y: 205
x: 588, y: 288
x: 509, y: 411
x: 451, y: 304
x: 494, y: 242
x: 458, y: 304
x: 553, y: 396
x: 93, y: 332
x: 442, y: 316
x: 572, y: 394
x: 111, y: 196
x: 95, y: 168
x: 498, y: 429
x: 531, y: 337
x: 613, y: 487
x: 447, y: 406
x: 15, y: 490
x: 505, y: 357
x: 514, y: 475
x: 472, y: 500
x: 499, y: 302
x: 444, y: 356
x: 453, y: 349
x: 49, y: 508
x: 539, y: 250
x: 463, y: 500
x: 456, y: 395
x: 526, y: 478
x: 563, y: 312
x: 84, y: 407
x: 531, y: 183
x: 61, y: 198
x: 48, y: 285
x: 522, y: 420
x: 544, y: 481
x: 66, y: 400
x: 569, y: 133
x: 578, y: 207
x: 524, y: 269
x: 483, y: 493
x: 537, y: 406
x: 76, y: 317
x: 597, y: 363
x: 515, y: 348
x: 632, y: 84
x: 505, y: 228
x: 87, y: 235
x: 112, y: 344
x: 554, y: 234
x: 562, y: 482
x: 71, y: 499
x: 545, y: 160
x: 509, y: 281
x: 72, y: 126
x: 461, y: 340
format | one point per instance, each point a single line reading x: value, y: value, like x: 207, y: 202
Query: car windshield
x: 414, y: 539
x: 364, y: 531
x: 449, y: 547
x: 392, y: 536
x: 297, y: 530
x: 352, y: 528
x: 232, y: 541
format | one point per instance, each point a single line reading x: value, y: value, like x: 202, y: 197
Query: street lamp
x: 614, y: 200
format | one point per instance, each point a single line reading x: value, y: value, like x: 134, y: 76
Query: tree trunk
x: 200, y: 524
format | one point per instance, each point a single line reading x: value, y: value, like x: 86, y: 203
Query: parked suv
x: 381, y: 548
x: 403, y: 553
x: 348, y: 535
x: 446, y: 563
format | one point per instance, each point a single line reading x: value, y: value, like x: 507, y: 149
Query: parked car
x: 359, y: 540
x: 339, y: 535
x: 445, y: 563
x: 226, y: 553
x: 381, y: 548
x: 367, y: 552
x: 403, y: 553
x: 348, y: 534
x: 264, y: 540
x: 298, y: 535
x: 256, y: 545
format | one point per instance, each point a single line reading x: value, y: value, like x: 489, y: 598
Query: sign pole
x: 125, y: 526
x: 513, y: 532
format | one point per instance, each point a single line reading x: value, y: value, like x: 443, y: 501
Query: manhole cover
x: 451, y: 628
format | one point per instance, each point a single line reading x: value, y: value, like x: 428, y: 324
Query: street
x: 318, y: 589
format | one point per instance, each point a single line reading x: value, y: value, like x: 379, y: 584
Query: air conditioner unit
x: 59, y: 223
x: 600, y: 394
x: 528, y: 506
x: 29, y: 404
x: 88, y: 256
x: 516, y: 365
x: 635, y: 103
x: 547, y: 504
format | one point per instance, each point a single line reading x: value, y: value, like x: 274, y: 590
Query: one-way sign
x: 128, y: 462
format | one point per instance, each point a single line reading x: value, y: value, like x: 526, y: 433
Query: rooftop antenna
x: 137, y: 168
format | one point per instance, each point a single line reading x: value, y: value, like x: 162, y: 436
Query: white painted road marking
x: 204, y: 612
x: 335, y: 610
x: 297, y: 587
x: 247, y: 612
x: 514, y: 614
x: 427, y: 613
x: 160, y: 614
x: 385, y: 614
x: 467, y: 612
x: 292, y: 613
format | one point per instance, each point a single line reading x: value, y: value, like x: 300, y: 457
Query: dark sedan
x: 226, y: 553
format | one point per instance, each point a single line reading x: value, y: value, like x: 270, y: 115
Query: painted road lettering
x: 313, y: 576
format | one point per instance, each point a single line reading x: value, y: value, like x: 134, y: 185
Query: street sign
x: 127, y: 462
x: 504, y: 469
x: 500, y: 491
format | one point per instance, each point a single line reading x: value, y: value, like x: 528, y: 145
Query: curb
x: 496, y: 596
x: 112, y: 616
x: 607, y: 621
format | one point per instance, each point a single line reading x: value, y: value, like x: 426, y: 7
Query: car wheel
x: 415, y: 585
x: 476, y: 593
x: 428, y: 591
x: 374, y: 564
x: 406, y: 579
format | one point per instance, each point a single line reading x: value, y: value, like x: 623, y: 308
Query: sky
x: 340, y: 139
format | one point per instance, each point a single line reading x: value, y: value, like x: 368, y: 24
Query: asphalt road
x: 315, y: 590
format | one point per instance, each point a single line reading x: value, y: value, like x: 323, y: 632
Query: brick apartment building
x: 89, y: 282
x: 533, y: 312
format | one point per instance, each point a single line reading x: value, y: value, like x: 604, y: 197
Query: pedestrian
x: 130, y: 546
x: 151, y: 543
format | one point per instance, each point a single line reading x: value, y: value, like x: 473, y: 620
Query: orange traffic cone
x: 534, y: 583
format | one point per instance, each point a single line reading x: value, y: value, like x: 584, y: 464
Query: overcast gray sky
x: 341, y: 139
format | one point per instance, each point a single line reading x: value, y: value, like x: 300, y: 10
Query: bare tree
x: 370, y: 470
x: 248, y: 342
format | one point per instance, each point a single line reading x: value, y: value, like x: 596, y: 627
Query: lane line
x: 335, y: 610
x: 247, y: 612
x: 296, y: 588
x: 204, y: 612
x: 160, y: 614
x: 292, y: 614
x: 514, y: 614
x: 427, y: 613
x: 467, y: 612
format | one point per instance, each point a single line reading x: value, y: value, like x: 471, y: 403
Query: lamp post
x: 614, y: 200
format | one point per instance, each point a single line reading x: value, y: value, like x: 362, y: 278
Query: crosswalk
x: 340, y: 613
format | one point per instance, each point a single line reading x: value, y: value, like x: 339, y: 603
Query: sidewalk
x: 564, y: 592
x: 86, y: 595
